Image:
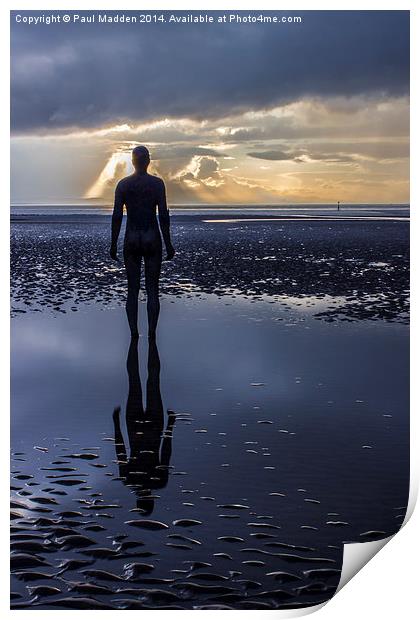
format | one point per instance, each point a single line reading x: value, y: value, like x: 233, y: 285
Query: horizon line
x: 213, y: 205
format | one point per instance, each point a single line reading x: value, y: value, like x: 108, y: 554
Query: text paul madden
x: 122, y: 18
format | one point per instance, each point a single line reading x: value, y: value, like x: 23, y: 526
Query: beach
x: 282, y: 359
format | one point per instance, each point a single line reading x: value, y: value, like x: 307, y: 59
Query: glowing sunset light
x: 296, y: 131
x: 118, y: 165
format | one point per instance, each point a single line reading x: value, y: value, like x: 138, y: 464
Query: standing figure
x: 141, y: 193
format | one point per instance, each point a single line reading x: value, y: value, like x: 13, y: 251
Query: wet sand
x: 287, y: 431
x: 360, y: 267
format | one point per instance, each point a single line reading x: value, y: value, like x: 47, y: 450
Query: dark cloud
x: 66, y: 75
x: 297, y: 156
x: 334, y: 158
x: 381, y: 150
x: 366, y: 116
x: 272, y: 155
x: 181, y: 152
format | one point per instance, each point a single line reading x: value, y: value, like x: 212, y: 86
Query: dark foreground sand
x: 362, y: 264
x: 290, y: 433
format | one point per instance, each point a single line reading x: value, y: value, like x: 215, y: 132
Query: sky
x: 310, y: 112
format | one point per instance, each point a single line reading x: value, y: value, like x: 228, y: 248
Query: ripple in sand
x: 284, y: 577
x: 373, y: 534
x: 98, y: 506
x: 88, y: 588
x: 249, y: 584
x: 101, y: 552
x: 262, y: 535
x: 273, y: 596
x: 102, y: 575
x: 201, y: 588
x: 222, y: 516
x: 75, y: 541
x: 289, y: 546
x: 186, y: 522
x: 94, y: 528
x: 79, y: 602
x: 180, y: 546
x: 44, y: 500
x: 19, y: 505
x: 26, y: 560
x: 69, y: 514
x: 324, y: 573
x: 309, y: 527
x: 17, y: 536
x: 312, y: 588
x: 210, y: 577
x: 156, y: 596
x: 214, y: 607
x: 135, y: 570
x: 129, y: 544
x: 32, y: 546
x: 86, y: 456
x: 232, y: 539
x: 69, y: 482
x: 129, y: 603
x: 72, y: 565
x: 184, y: 538
x: 29, y: 575
x: 147, y: 524
x: 39, y: 591
x: 288, y: 557
x: 254, y: 563
x: 197, y: 565
x: 265, y: 525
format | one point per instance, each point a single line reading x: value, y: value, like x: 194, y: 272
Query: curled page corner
x: 357, y: 555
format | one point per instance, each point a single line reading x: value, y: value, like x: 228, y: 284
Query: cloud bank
x: 74, y: 76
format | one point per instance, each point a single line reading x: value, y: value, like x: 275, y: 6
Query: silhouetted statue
x: 147, y: 467
x: 141, y: 193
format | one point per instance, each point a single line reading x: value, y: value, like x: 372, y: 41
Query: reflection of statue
x: 147, y: 466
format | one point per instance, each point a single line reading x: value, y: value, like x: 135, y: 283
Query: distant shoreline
x: 233, y: 207
x: 220, y: 214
